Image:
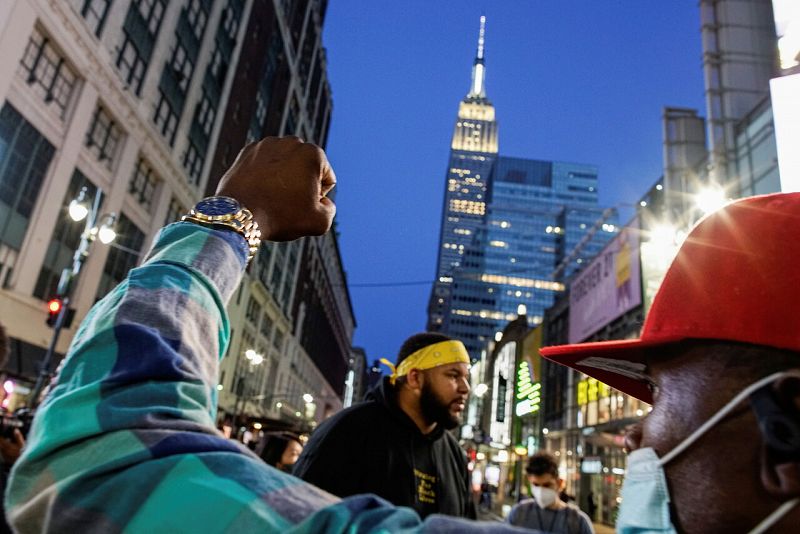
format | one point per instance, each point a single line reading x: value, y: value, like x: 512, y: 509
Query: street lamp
x: 255, y: 359
x: 710, y: 199
x: 78, y: 209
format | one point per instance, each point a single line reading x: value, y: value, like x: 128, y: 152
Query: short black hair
x: 542, y: 463
x: 419, y: 341
x: 273, y: 446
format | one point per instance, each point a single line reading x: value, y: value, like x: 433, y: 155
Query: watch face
x: 217, y: 206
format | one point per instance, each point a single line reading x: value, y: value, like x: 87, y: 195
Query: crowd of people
x: 126, y: 440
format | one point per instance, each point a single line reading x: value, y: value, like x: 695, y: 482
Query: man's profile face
x: 690, y: 387
x: 444, y: 394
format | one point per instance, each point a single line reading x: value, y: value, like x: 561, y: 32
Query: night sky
x: 571, y: 80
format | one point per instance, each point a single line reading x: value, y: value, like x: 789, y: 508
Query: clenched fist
x: 284, y: 182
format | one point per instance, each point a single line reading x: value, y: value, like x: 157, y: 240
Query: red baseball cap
x: 735, y: 278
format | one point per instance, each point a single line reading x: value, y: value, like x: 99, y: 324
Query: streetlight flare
x: 710, y: 199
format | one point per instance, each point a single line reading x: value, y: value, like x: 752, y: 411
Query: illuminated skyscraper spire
x: 478, y: 89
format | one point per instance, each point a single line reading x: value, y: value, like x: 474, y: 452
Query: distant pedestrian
x: 280, y: 450
x: 546, y: 511
x: 395, y: 444
x: 591, y: 505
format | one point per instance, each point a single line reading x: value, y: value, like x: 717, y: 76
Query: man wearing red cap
x: 719, y: 359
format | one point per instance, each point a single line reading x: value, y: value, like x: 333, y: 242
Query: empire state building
x: 473, y: 151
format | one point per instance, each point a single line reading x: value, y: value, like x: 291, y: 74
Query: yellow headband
x: 428, y: 357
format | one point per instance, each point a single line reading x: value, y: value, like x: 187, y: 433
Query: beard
x: 436, y: 410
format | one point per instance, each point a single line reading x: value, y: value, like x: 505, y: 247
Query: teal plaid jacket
x: 126, y: 442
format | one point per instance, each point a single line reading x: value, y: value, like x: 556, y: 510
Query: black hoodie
x: 374, y: 447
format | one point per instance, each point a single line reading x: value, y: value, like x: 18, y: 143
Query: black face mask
x: 436, y: 410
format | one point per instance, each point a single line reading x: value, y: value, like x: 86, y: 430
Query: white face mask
x: 545, y: 497
x: 645, y: 495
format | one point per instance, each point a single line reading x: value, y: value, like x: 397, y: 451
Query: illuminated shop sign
x: 591, y: 389
x: 528, y: 392
x: 608, y: 287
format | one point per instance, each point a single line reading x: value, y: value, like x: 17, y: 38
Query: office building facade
x: 532, y: 239
x: 122, y: 99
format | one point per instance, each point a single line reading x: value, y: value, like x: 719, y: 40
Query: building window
x: 231, y: 24
x: 253, y: 310
x: 122, y: 257
x: 182, y: 66
x: 95, y: 11
x: 206, y: 114
x: 152, y: 12
x: 197, y: 16
x: 103, y: 137
x: 65, y: 240
x: 266, y: 326
x: 131, y: 65
x: 218, y: 67
x: 25, y: 156
x: 174, y: 212
x: 193, y: 163
x: 143, y: 184
x: 47, y: 72
x: 166, y: 119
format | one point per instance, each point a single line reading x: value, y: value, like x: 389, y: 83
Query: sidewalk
x: 600, y: 528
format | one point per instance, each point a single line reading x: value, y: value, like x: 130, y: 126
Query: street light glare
x: 106, y: 234
x: 710, y: 199
x: 78, y: 210
x: 480, y: 390
x: 308, y: 398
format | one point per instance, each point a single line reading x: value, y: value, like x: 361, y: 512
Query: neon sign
x: 529, y: 394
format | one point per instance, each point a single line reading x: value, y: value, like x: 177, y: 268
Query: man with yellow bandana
x: 395, y: 444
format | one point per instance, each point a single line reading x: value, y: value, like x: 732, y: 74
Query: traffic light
x: 53, y: 309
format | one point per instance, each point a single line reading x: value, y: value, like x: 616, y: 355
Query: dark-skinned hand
x: 283, y: 182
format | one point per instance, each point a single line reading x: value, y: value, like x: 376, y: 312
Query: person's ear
x: 415, y: 379
x: 560, y: 483
x: 777, y: 409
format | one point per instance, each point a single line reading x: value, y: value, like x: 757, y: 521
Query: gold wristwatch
x: 227, y: 212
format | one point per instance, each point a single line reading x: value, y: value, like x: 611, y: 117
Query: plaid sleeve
x: 126, y: 441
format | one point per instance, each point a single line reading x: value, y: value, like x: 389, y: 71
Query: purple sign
x: 608, y: 287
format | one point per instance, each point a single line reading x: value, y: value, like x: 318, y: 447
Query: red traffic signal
x: 54, y: 305
x: 53, y: 309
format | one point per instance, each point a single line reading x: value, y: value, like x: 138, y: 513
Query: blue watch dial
x: 217, y: 206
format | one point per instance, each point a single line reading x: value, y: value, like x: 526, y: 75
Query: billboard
x: 608, y: 287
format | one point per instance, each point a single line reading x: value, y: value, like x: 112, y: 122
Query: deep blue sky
x: 571, y: 80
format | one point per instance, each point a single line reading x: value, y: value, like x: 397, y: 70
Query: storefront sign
x: 592, y: 465
x: 590, y: 390
x: 608, y: 287
x: 528, y: 392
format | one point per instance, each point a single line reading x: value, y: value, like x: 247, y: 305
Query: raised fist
x: 284, y: 182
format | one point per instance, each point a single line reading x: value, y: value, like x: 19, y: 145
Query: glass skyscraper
x: 513, y: 229
x: 472, y: 152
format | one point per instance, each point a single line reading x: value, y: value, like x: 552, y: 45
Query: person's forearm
x: 141, y: 370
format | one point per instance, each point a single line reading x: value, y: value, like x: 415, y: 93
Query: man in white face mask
x: 546, y: 511
x: 719, y: 359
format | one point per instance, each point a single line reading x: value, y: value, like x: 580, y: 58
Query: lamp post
x: 255, y: 359
x: 79, y: 209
